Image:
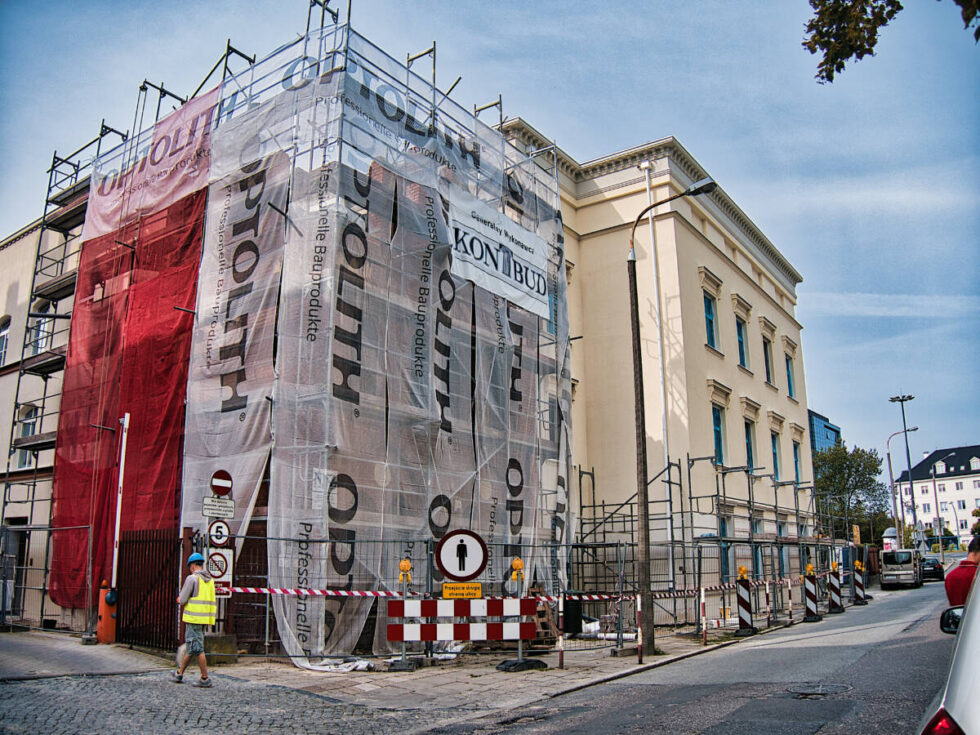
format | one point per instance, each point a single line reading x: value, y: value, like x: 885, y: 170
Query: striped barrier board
x: 487, y: 607
x: 834, y: 603
x: 810, y: 588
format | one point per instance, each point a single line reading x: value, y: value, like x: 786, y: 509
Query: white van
x: 901, y: 568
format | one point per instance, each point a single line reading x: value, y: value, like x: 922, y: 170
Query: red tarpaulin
x: 128, y: 352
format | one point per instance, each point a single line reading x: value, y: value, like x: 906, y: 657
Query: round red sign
x: 221, y: 483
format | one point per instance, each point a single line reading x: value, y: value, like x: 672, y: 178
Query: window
x: 42, y: 330
x: 908, y: 491
x: 756, y: 525
x: 4, y: 338
x: 975, y: 465
x: 940, y: 468
x: 964, y: 525
x: 28, y: 427
x: 749, y: 444
x: 709, y: 320
x: 740, y: 334
x: 775, y: 456
x: 767, y: 358
x: 959, y: 486
x: 718, y: 426
x: 926, y: 507
x: 796, y: 461
x: 924, y: 489
x: 961, y: 504
x: 942, y: 487
x: 976, y: 484
x: 790, y: 383
x: 803, y: 531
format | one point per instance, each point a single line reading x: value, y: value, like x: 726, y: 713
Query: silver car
x: 956, y: 709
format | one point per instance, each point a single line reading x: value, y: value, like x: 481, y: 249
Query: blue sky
x: 869, y: 186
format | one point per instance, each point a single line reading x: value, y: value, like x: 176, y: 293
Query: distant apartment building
x: 945, y: 487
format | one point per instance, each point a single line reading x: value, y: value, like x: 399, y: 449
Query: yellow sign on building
x: 462, y: 590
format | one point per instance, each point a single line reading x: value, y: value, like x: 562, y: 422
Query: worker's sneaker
x: 203, y: 682
x: 176, y: 678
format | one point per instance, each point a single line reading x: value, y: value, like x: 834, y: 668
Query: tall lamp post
x: 702, y: 186
x: 935, y: 499
x: 901, y: 399
x: 899, y: 538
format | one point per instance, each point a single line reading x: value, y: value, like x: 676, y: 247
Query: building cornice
x: 520, y: 130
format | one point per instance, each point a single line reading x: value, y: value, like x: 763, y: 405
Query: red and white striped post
x: 860, y: 598
x: 789, y: 587
x: 744, y: 590
x: 768, y: 607
x: 639, y: 629
x: 834, y: 604
x: 704, y: 619
x: 561, y: 631
x: 810, y: 589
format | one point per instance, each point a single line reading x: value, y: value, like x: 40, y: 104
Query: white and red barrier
x: 484, y: 607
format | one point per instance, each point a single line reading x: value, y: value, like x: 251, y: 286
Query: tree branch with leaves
x: 841, y: 30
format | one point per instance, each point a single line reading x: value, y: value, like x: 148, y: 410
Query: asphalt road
x: 870, y: 670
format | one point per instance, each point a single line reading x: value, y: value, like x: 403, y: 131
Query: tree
x: 848, y: 486
x: 842, y: 30
x: 976, y: 526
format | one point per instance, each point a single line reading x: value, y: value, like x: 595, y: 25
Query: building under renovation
x: 326, y: 305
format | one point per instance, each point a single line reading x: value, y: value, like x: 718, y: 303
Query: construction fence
x: 599, y: 602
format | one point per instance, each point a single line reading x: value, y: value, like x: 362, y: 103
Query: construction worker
x: 199, y: 608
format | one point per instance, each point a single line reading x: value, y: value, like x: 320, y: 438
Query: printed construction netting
x: 380, y: 323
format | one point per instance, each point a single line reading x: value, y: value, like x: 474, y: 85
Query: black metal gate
x: 149, y: 572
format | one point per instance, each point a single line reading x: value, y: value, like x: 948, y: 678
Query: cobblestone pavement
x: 150, y: 703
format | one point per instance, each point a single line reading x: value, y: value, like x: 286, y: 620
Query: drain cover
x: 818, y: 690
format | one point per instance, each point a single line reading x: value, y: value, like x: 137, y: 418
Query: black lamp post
x: 901, y: 399
x: 645, y: 638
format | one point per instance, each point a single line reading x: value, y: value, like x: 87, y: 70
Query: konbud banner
x: 499, y: 255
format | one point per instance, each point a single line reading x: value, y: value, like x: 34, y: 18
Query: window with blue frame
x: 796, y: 461
x: 709, y: 320
x: 740, y: 334
x: 749, y: 444
x: 790, y: 382
x: 775, y: 456
x: 767, y: 358
x: 718, y: 426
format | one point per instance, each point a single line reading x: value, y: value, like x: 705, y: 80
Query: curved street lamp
x: 901, y: 399
x: 645, y: 632
x: 899, y: 538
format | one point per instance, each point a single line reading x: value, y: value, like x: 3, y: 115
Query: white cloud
x: 953, y: 306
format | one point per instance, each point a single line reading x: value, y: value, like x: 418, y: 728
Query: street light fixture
x: 702, y: 186
x: 935, y: 499
x: 901, y: 399
x: 899, y: 538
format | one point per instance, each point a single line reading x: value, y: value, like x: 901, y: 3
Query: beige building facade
x: 736, y: 409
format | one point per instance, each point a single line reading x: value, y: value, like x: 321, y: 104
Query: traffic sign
x: 220, y: 563
x: 462, y: 590
x: 221, y: 483
x: 461, y: 555
x: 218, y: 508
x: 218, y: 533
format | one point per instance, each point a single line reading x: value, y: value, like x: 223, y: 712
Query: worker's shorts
x: 194, y: 638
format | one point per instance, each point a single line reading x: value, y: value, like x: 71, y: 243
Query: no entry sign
x: 221, y: 483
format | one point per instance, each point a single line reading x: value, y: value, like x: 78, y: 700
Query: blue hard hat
x: 195, y: 559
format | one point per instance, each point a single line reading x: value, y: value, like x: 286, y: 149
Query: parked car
x: 956, y: 709
x: 901, y: 567
x: 933, y: 569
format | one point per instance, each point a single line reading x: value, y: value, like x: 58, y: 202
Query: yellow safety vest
x: 202, y: 608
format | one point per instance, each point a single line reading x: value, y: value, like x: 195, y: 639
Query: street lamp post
x: 901, y: 399
x: 702, y: 186
x: 956, y: 520
x: 899, y: 537
x: 935, y: 499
